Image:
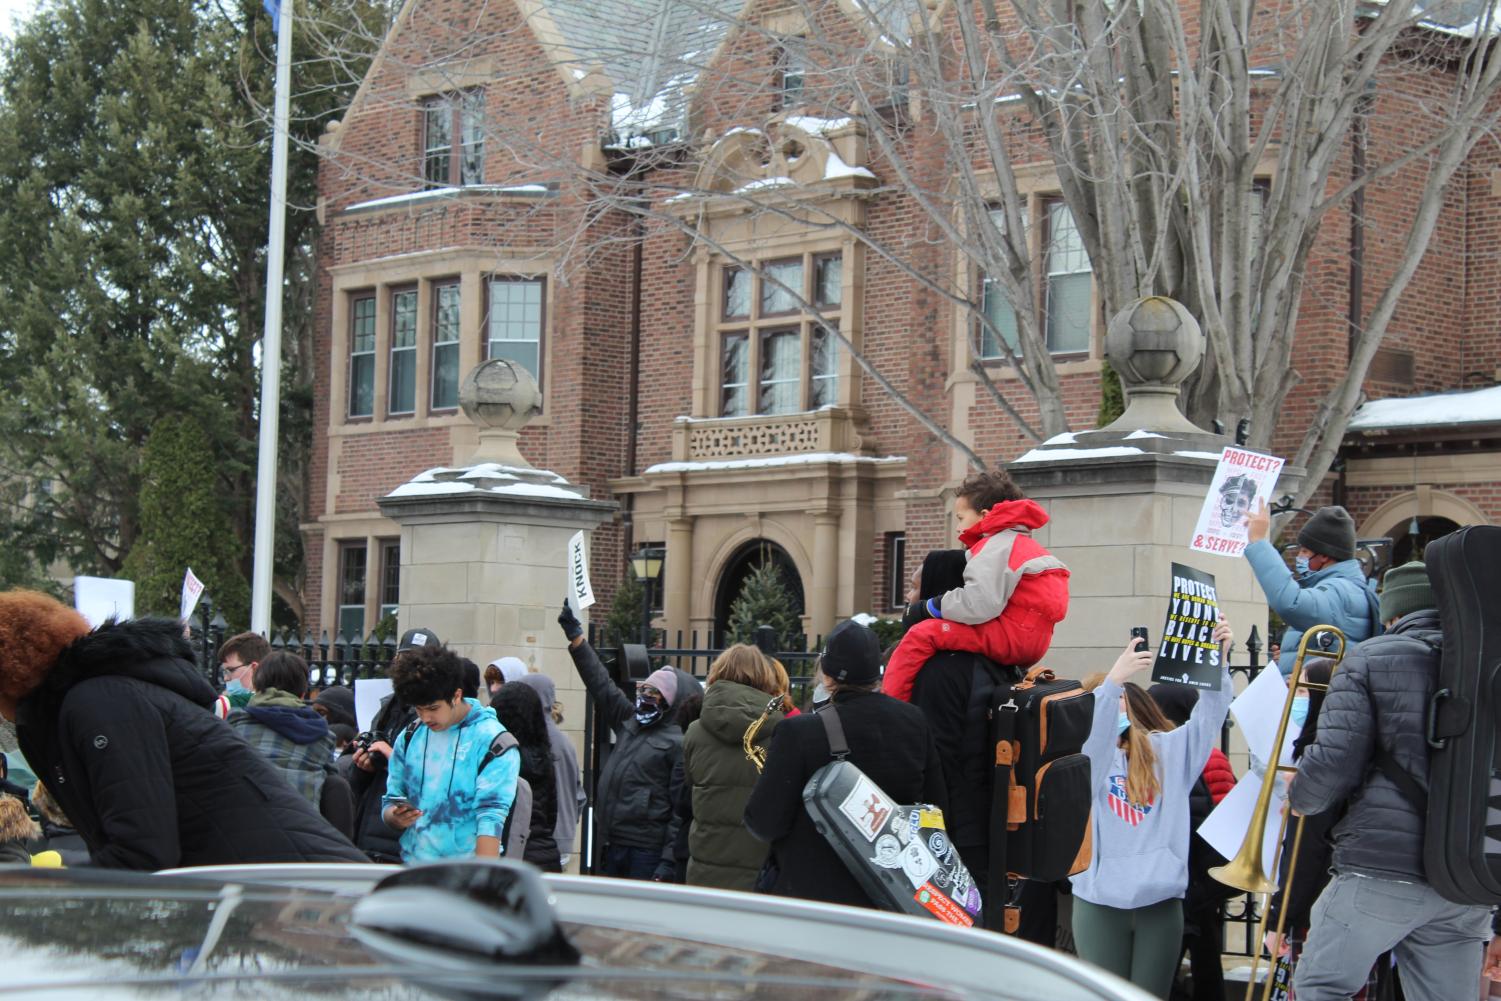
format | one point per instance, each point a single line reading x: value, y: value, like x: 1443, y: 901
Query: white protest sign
x: 1240, y: 480
x: 367, y: 695
x: 578, y: 572
x: 1226, y: 827
x: 100, y: 599
x: 1258, y: 710
x: 192, y: 590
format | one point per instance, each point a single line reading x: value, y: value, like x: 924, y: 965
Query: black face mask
x: 648, y: 709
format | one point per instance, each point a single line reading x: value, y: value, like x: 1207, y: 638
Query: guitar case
x: 899, y: 854
x: 1462, y: 844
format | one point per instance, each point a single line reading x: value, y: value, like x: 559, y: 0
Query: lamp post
x: 646, y: 564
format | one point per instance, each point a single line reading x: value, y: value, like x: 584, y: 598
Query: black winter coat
x: 541, y: 843
x: 1378, y: 698
x: 633, y: 802
x: 378, y: 841
x: 122, y: 734
x: 889, y: 741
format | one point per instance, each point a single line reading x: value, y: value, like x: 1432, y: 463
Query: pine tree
x: 764, y: 600
x: 1112, y: 396
x: 184, y: 523
x: 623, y: 625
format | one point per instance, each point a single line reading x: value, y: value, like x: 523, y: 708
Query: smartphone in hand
x: 1139, y: 633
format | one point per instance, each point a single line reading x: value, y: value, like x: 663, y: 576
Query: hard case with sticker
x: 898, y: 853
x: 1462, y: 843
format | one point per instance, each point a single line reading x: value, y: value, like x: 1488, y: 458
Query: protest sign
x: 578, y: 573
x: 192, y: 590
x: 1226, y: 826
x: 100, y: 599
x: 368, y: 693
x: 1241, y: 480
x: 1188, y: 654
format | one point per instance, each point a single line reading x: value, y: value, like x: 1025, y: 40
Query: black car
x: 487, y: 929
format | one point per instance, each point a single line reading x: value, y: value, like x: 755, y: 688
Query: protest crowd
x: 723, y: 782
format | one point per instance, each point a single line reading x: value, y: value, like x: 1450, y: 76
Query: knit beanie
x: 664, y: 680
x: 1405, y: 590
x: 851, y: 654
x: 1330, y: 532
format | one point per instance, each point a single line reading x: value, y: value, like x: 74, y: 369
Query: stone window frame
x: 345, y: 550
x: 461, y: 107
x: 440, y: 285
x: 486, y: 340
x: 469, y: 268
x: 355, y: 299
x: 396, y: 293
x: 756, y: 324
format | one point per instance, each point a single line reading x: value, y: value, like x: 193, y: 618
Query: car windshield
x: 117, y: 935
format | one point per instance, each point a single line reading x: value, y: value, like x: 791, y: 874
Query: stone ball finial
x: 501, y: 395
x: 1154, y: 343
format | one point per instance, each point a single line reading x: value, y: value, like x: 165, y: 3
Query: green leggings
x: 1142, y: 945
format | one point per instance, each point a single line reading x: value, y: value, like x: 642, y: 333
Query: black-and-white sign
x: 1188, y: 654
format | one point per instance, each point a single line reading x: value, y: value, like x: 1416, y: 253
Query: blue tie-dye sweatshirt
x: 438, y: 772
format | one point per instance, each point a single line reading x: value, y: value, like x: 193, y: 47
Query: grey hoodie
x: 1141, y: 851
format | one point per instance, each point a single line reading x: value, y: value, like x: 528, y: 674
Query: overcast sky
x: 12, y: 11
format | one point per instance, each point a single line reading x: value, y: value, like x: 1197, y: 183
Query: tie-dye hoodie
x: 439, y: 773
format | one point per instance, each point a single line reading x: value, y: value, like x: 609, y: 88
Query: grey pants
x: 1439, y: 945
x: 1141, y: 945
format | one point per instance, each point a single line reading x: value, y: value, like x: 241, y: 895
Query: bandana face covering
x: 648, y: 710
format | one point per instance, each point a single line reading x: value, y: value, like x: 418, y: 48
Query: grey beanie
x: 1330, y: 532
x: 1405, y: 590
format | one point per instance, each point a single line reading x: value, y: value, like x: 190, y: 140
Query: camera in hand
x: 362, y: 741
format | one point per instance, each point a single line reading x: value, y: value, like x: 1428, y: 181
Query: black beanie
x: 851, y: 654
x: 942, y: 572
x: 1176, y: 701
x: 1330, y: 532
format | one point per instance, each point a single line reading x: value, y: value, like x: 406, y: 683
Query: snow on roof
x: 770, y: 461
x: 1143, y: 433
x: 488, y: 477
x: 817, y: 126
x: 435, y: 194
x: 1069, y: 454
x: 1461, y: 18
x: 1476, y: 406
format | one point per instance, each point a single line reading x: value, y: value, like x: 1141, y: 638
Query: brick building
x: 696, y: 391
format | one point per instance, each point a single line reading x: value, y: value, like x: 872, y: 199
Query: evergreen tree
x: 1112, y: 396
x: 764, y: 600
x: 623, y: 625
x: 184, y: 523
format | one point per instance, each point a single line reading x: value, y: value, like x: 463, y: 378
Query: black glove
x: 916, y: 612
x: 572, y: 627
x: 666, y: 872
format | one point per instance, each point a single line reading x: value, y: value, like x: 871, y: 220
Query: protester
x: 290, y: 734
x: 9, y: 788
x: 634, y: 822
x: 519, y: 710
x: 1329, y: 586
x: 1203, y: 920
x: 1014, y: 590
x: 58, y: 831
x: 371, y: 759
x: 1371, y: 742
x: 565, y: 766
x: 686, y: 715
x: 118, y: 723
x: 18, y: 832
x: 336, y: 704
x: 238, y: 658
x: 889, y: 741
x: 449, y: 790
x: 1128, y: 905
x: 503, y: 671
x: 718, y: 765
x: 469, y: 674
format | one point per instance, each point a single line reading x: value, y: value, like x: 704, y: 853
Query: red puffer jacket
x: 1218, y: 775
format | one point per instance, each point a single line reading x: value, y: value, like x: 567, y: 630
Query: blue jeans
x: 626, y: 862
x: 1439, y: 945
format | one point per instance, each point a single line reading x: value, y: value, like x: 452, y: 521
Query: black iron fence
x: 331, y: 661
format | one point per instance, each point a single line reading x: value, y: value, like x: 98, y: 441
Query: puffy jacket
x: 537, y: 769
x: 635, y: 794
x: 292, y: 736
x: 1378, y: 697
x: 123, y: 734
x: 1219, y: 777
x: 1338, y: 595
x: 889, y: 741
x: 721, y: 852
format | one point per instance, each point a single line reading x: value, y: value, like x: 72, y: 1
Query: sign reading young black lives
x: 1188, y: 654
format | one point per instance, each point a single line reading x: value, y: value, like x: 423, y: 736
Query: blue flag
x: 273, y: 7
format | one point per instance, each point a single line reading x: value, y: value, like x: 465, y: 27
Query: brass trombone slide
x: 1246, y: 871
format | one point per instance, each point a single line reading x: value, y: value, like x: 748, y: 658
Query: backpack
x: 1041, y: 798
x: 514, y: 834
x: 1461, y: 838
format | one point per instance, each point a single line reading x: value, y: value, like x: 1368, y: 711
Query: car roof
x: 297, y: 926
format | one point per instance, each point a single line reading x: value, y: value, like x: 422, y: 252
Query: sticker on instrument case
x: 867, y: 808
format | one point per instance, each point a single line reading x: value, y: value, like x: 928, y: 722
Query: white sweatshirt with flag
x: 1141, y: 849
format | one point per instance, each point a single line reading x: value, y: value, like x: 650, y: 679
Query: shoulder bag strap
x: 834, y: 729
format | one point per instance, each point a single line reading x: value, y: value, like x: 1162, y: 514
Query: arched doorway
x: 1408, y: 545
x: 746, y: 560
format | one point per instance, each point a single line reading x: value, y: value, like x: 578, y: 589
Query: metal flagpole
x: 265, y: 474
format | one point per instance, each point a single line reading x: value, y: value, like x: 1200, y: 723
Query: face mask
x: 820, y: 694
x: 648, y: 710
x: 233, y: 687
x: 1122, y: 723
x: 1301, y: 564
x: 1300, y: 709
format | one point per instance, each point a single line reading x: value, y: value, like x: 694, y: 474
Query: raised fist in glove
x: 572, y: 628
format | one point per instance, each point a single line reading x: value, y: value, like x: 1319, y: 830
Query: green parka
x: 721, y: 852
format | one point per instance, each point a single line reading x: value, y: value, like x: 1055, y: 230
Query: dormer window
x: 453, y: 151
x: 792, y: 71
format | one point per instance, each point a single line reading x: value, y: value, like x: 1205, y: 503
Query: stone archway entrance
x: 749, y: 558
x: 1407, y: 546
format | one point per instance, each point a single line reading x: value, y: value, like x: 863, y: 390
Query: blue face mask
x: 1301, y: 564
x: 1122, y: 723
x: 1300, y: 709
x: 234, y: 687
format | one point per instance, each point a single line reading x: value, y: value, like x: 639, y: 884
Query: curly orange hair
x: 34, y: 629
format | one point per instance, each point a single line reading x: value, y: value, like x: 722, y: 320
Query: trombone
x: 1245, y: 871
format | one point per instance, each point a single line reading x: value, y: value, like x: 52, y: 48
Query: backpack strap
x: 500, y: 744
x: 1403, y: 780
x: 834, y: 730
x: 406, y: 734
